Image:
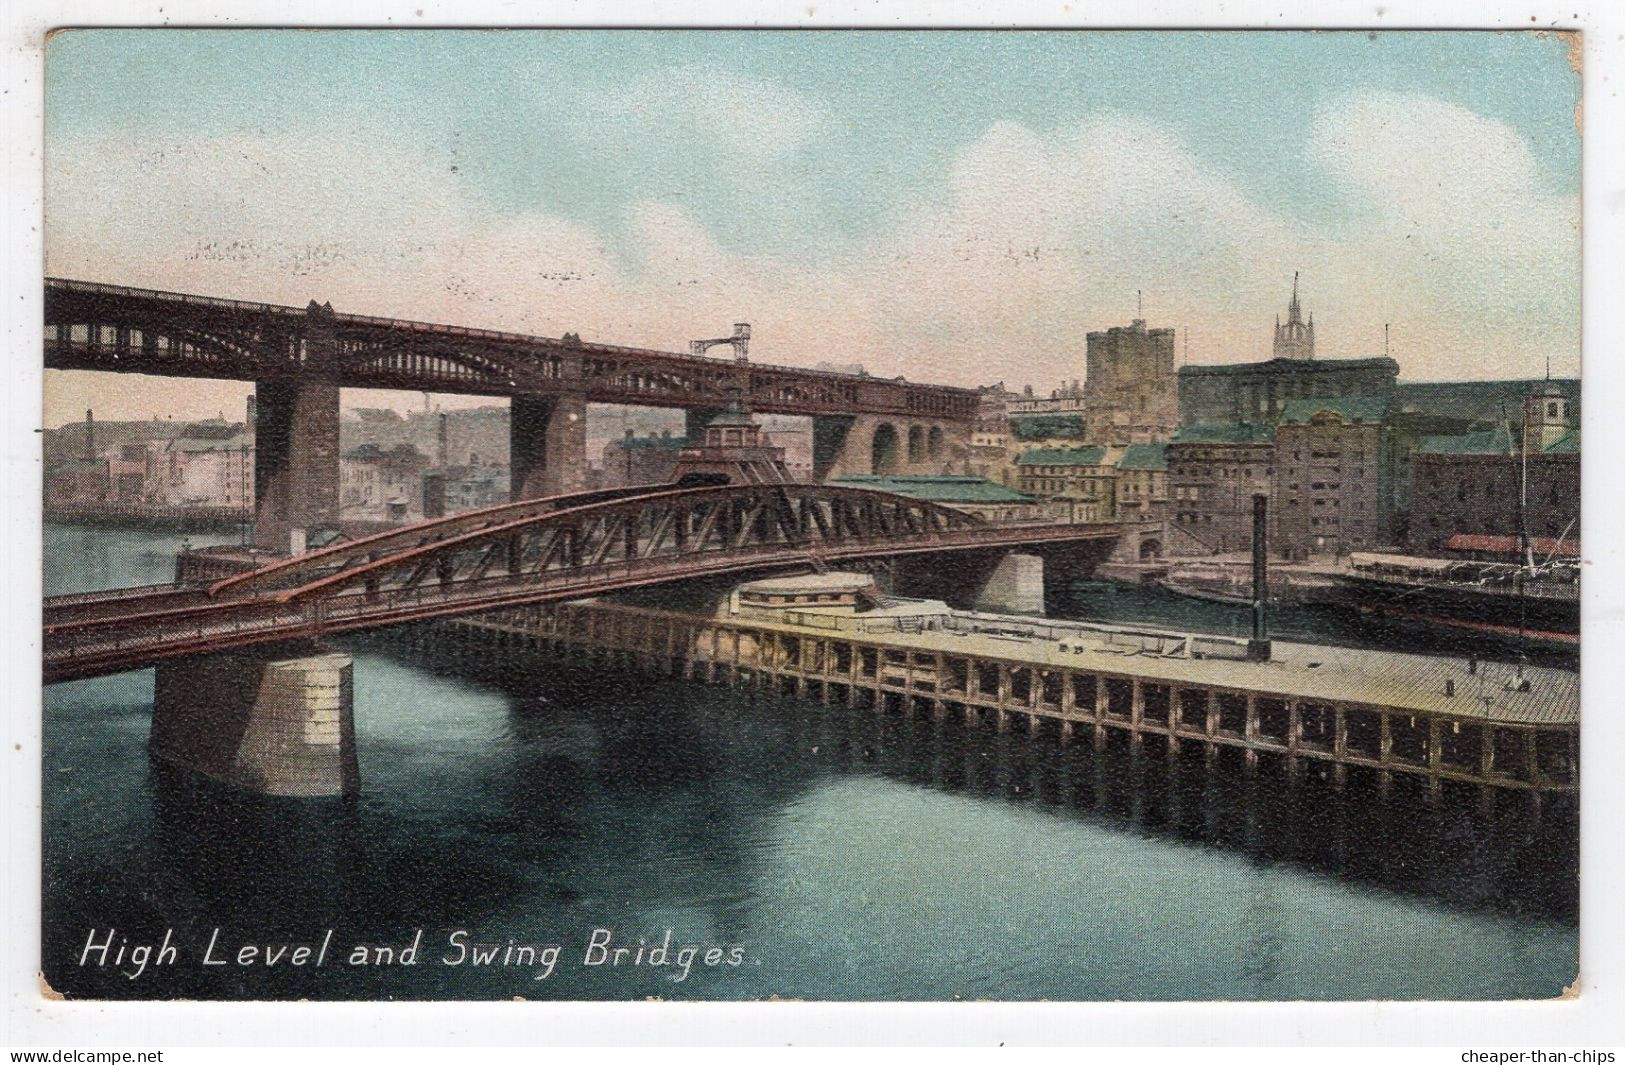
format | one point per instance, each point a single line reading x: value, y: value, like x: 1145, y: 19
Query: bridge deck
x: 116, y: 328
x: 89, y: 637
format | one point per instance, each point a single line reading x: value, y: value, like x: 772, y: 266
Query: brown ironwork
x: 536, y: 551
x: 93, y: 326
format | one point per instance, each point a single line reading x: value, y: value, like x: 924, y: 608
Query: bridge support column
x: 296, y: 462
x: 270, y: 724
x: 547, y: 445
x: 829, y: 434
x: 1016, y: 586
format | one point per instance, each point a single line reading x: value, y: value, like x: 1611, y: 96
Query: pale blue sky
x: 520, y: 109
x: 955, y: 205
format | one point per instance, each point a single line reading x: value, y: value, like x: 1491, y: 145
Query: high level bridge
x: 299, y: 358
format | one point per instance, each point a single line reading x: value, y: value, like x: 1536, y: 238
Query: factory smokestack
x: 90, y: 436
x: 1258, y: 648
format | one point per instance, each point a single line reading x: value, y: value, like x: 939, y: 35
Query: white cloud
x: 1035, y: 238
x: 1477, y: 255
x: 746, y: 118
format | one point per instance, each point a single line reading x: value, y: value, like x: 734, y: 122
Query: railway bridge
x: 299, y: 358
x: 245, y: 691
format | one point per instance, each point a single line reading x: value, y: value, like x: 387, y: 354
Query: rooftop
x: 950, y: 489
x: 194, y: 444
x: 1355, y: 410
x: 1094, y: 455
x: 1044, y: 426
x: 1381, y: 362
x: 644, y: 443
x: 1567, y: 444
x: 1496, y: 441
x: 1144, y: 457
x: 810, y: 582
x: 1225, y: 433
x: 1509, y: 545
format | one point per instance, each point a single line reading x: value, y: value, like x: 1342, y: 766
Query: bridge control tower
x: 732, y: 450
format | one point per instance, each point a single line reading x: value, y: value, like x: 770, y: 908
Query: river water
x: 800, y: 850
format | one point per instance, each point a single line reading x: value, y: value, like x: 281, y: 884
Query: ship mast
x: 1526, y: 559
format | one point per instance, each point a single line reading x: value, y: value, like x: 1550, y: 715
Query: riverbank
x: 144, y: 516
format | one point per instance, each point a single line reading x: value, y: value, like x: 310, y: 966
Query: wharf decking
x: 1485, y: 724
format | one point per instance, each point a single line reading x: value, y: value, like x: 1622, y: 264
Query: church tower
x: 1295, y: 339
x: 1545, y: 418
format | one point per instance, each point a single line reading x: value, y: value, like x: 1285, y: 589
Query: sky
x: 961, y: 207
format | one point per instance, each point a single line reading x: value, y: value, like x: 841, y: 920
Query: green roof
x: 639, y: 443
x: 1063, y: 456
x: 1225, y: 433
x: 959, y: 489
x: 1045, y: 426
x: 1497, y: 441
x: 1144, y: 457
x: 1567, y: 444
x: 1353, y: 409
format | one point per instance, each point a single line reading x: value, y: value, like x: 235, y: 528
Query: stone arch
x: 934, y: 443
x: 916, y: 444
x: 883, y: 451
x: 1150, y: 549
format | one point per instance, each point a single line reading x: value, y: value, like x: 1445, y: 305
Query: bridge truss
x: 94, y: 326
x: 566, y: 547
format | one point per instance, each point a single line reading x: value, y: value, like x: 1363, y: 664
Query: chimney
x: 90, y: 436
x: 1258, y: 648
x: 441, y: 441
x: 250, y: 415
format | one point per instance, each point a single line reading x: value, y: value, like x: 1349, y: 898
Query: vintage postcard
x: 741, y: 515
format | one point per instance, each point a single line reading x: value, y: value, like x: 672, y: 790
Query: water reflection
x: 1513, y: 857
x: 853, y: 854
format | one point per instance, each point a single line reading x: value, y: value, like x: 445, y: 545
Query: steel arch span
x: 567, y: 547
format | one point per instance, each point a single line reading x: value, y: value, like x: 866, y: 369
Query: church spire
x: 1295, y: 339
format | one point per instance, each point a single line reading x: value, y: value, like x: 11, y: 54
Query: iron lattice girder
x: 296, y: 571
x: 440, y: 581
x: 91, y: 326
x: 681, y: 523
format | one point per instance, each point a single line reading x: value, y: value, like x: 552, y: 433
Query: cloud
x: 997, y: 270
x: 1476, y: 249
x: 745, y: 118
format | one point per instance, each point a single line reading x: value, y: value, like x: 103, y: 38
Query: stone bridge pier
x: 279, y: 722
x: 296, y: 462
x: 999, y: 581
x: 547, y: 445
x: 296, y: 445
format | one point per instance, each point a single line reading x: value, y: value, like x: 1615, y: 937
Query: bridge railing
x: 192, y: 628
x: 134, y: 591
x: 126, y: 291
